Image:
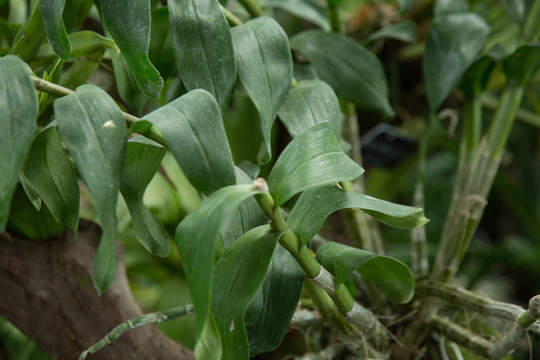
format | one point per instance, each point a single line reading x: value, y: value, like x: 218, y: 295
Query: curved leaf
x: 311, y: 102
x: 314, y: 206
x: 476, y: 78
x: 142, y: 160
x: 161, y: 48
x: 94, y: 131
x: 265, y: 69
x: 19, y: 109
x: 247, y: 216
x: 49, y: 172
x: 352, y: 70
x: 238, y: 275
x: 203, y: 47
x: 51, y: 14
x: 272, y: 309
x: 313, y: 158
x: 452, y: 44
x: 196, y: 238
x: 128, y: 21
x: 83, y: 43
x: 404, y: 30
x: 390, y: 276
x: 193, y: 130
x: 521, y: 66
x: 306, y: 9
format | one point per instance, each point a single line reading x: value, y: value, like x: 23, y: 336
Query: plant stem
x: 510, y: 342
x: 152, y: 318
x: 460, y: 335
x: 232, y: 19
x: 252, y: 7
x: 60, y: 91
x: 348, y: 308
x: 530, y: 118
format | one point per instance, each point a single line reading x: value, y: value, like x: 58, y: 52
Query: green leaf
x: 247, y: 216
x: 238, y: 275
x: 128, y: 21
x: 476, y: 78
x: 196, y: 238
x: 126, y: 83
x: 313, y: 158
x: 265, y: 70
x: 49, y: 172
x: 314, y: 206
x: 272, y: 309
x: 311, y: 102
x: 209, y: 346
x: 142, y: 160
x: 51, y: 14
x: 193, y: 130
x: 352, y: 70
x: 521, y: 66
x: 445, y: 7
x: 306, y: 9
x: 161, y: 50
x: 390, y: 276
x: 203, y: 47
x: 94, y: 132
x: 404, y: 30
x: 452, y: 45
x: 19, y: 109
x: 30, y: 36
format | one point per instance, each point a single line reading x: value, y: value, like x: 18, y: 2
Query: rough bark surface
x: 46, y: 291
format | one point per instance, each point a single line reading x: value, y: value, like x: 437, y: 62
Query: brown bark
x: 46, y: 291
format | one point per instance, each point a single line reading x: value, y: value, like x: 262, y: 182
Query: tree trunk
x: 46, y: 291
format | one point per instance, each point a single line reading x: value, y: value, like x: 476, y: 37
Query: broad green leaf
x: 247, y: 216
x: 390, y: 276
x: 476, y: 78
x: 265, y: 70
x: 26, y: 221
x: 314, y: 206
x: 142, y: 160
x: 311, y: 102
x: 19, y: 109
x: 83, y: 43
x: 271, y: 310
x: 209, y: 346
x: 521, y: 66
x: 203, y: 47
x: 404, y: 30
x: 352, y: 70
x: 161, y: 50
x: 238, y: 275
x: 128, y: 21
x: 126, y: 83
x: 314, y: 158
x: 306, y: 9
x: 49, y: 172
x: 445, y: 7
x: 452, y: 45
x: 94, y: 132
x: 51, y: 14
x: 29, y: 37
x: 196, y: 238
x: 193, y: 130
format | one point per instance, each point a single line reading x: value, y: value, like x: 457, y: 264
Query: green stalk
x: 325, y: 305
x: 232, y: 19
x: 152, y: 318
x: 509, y: 343
x: 460, y: 335
x: 348, y: 308
x: 531, y: 28
x: 333, y: 15
x: 252, y: 7
x: 525, y: 116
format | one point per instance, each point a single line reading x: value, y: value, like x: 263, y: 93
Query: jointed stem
x: 152, y: 318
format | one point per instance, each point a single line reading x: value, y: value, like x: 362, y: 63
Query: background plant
x: 183, y: 126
